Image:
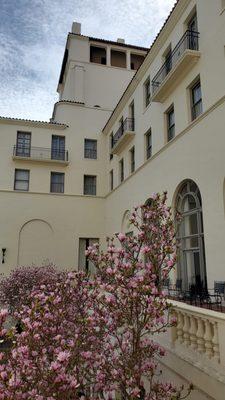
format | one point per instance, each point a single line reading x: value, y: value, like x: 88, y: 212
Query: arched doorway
x: 191, y: 266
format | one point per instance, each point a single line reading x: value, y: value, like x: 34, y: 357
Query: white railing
x: 198, y: 337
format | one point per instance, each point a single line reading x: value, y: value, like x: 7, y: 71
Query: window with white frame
x: 57, y: 182
x: 148, y: 143
x: 170, y: 116
x: 121, y: 170
x: 147, y: 92
x: 196, y: 100
x: 111, y: 179
x: 132, y: 159
x: 90, y: 148
x: 21, y: 179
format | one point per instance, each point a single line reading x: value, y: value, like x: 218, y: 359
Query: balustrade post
x: 193, y: 332
x: 208, y: 339
x: 215, y: 341
x: 200, y: 336
x: 186, y: 330
x: 180, y: 327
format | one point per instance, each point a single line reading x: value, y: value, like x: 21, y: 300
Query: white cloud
x: 33, y: 35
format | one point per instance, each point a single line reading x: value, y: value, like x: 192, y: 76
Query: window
x: 148, y: 141
x: 147, y: 92
x: 170, y: 124
x: 21, y: 180
x: 193, y: 29
x: 58, y: 147
x: 90, y: 148
x: 23, y: 144
x: 98, y: 55
x: 118, y: 59
x: 111, y: 179
x: 90, y: 185
x: 111, y: 143
x: 131, y: 110
x: 191, y: 271
x: 168, y: 61
x: 121, y: 170
x: 132, y: 159
x: 57, y: 182
x: 196, y: 100
x: 85, y: 264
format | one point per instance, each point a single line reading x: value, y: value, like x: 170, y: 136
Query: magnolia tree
x: 97, y: 336
x: 15, y: 289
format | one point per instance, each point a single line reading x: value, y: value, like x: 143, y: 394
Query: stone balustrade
x: 198, y: 339
x: 200, y: 330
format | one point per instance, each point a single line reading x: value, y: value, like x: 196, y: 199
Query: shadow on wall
x: 35, y: 243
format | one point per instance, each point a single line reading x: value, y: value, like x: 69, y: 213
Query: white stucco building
x: 130, y: 121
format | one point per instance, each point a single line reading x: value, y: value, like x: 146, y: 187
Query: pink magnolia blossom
x: 90, y: 337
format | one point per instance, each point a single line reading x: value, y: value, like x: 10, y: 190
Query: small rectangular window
x: 147, y: 92
x: 111, y: 179
x: 21, y: 179
x: 132, y: 159
x: 196, y: 100
x: 131, y: 110
x: 23, y: 144
x: 90, y: 148
x: 57, y: 182
x: 90, y: 185
x: 148, y: 141
x: 111, y: 144
x: 58, y: 148
x: 121, y: 170
x: 170, y: 124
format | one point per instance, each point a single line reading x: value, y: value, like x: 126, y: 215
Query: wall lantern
x: 3, y: 255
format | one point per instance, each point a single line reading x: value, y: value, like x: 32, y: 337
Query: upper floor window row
x: 115, y: 57
x: 23, y: 148
x: 22, y: 180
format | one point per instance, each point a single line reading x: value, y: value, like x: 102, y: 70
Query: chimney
x: 119, y: 40
x: 76, y: 28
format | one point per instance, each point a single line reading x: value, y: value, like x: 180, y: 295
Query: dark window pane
x: 58, y: 147
x: 90, y: 148
x: 23, y: 144
x: 90, y: 185
x: 57, y: 182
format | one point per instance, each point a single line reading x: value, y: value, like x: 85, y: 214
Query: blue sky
x: 33, y: 35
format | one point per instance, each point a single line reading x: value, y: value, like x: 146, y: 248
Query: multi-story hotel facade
x: 130, y: 121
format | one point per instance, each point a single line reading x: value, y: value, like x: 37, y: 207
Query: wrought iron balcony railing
x: 40, y: 153
x: 126, y: 126
x: 189, y: 41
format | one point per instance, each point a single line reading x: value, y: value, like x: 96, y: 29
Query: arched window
x: 191, y: 272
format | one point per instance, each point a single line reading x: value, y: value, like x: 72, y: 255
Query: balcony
x: 123, y: 136
x: 182, y: 59
x: 40, y: 154
x: 195, y: 348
